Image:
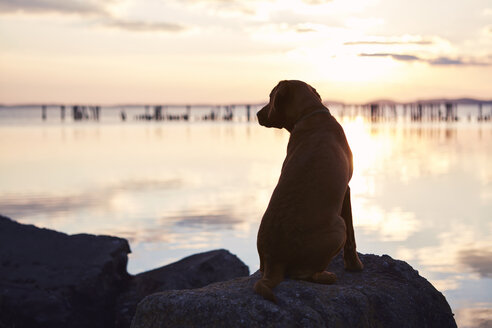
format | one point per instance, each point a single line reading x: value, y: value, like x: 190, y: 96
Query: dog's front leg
x: 350, y: 257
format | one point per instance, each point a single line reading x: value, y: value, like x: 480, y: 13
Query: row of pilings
x: 375, y: 112
x: 212, y: 113
x: 79, y: 113
x: 416, y: 112
x: 157, y: 113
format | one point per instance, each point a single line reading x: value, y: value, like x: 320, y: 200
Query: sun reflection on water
x: 422, y: 194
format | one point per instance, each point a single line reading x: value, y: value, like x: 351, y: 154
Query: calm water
x: 422, y: 192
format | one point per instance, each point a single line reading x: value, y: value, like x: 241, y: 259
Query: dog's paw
x: 324, y: 277
x: 353, y: 263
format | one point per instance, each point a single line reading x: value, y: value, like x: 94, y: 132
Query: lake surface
x: 421, y: 192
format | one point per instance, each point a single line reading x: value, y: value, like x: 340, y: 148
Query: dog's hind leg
x: 333, y: 245
x: 273, y: 274
x: 350, y: 257
x: 324, y: 277
x: 261, y: 262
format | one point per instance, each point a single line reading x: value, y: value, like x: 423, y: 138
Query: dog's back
x: 302, y: 222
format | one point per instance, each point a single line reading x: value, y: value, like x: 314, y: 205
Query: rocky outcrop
x: 50, y: 279
x: 388, y: 293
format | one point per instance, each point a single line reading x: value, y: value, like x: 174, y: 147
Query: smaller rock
x: 194, y: 271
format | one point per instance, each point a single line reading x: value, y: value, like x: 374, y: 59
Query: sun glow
x: 234, y: 51
x: 350, y: 68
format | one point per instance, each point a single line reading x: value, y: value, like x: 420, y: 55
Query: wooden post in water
x: 374, y: 112
x: 62, y: 112
x: 248, y: 110
x: 393, y: 112
x: 43, y: 112
x: 188, y: 113
x: 449, y: 112
x: 158, y: 113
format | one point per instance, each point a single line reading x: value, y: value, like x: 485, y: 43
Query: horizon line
x: 460, y: 100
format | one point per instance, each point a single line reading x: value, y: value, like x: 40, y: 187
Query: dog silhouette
x: 309, y: 217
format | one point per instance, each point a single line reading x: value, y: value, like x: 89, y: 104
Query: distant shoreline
x: 459, y: 101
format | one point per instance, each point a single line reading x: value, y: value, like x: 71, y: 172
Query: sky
x: 235, y: 51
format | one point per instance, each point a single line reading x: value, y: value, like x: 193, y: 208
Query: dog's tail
x: 268, y: 281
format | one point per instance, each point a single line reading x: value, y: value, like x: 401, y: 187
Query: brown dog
x: 309, y: 217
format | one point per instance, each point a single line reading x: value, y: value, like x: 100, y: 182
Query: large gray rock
x: 388, y: 293
x: 50, y: 279
x: 191, y: 272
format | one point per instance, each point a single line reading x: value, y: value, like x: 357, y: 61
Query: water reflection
x: 420, y: 192
x: 474, y: 317
x: 478, y: 260
x: 392, y: 224
x: 206, y: 222
x: 24, y: 205
x: 426, y: 187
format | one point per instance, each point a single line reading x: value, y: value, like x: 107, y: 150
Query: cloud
x: 305, y: 29
x: 53, y: 6
x: 394, y: 56
x: 446, y: 61
x: 292, y: 17
x: 239, y: 2
x: 439, y: 61
x: 316, y: 2
x: 87, y: 8
x: 142, y: 26
x: 230, y: 6
x: 355, y: 43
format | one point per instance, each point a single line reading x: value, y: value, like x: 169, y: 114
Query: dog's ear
x: 279, y: 100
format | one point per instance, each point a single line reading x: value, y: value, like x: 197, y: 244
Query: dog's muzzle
x: 263, y: 116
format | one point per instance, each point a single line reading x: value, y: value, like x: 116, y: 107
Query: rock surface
x: 388, y: 293
x: 191, y: 272
x: 50, y: 279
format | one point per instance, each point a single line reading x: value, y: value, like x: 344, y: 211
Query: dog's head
x: 289, y: 101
